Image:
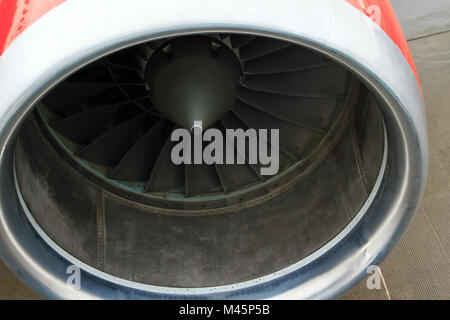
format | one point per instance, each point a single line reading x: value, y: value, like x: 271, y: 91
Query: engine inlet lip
x: 385, y: 220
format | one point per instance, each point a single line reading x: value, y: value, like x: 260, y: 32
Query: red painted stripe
x: 7, y: 13
x: 382, y: 13
x: 17, y: 15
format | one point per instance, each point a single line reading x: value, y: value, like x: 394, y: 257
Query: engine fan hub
x: 193, y: 79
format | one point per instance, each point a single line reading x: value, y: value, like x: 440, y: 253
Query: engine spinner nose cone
x: 193, y: 79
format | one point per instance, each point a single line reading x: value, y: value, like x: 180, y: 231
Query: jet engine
x: 91, y: 92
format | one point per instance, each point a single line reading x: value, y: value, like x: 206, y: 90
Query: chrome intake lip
x: 321, y: 25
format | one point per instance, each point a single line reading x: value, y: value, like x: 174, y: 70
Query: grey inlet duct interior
x: 94, y: 169
x: 87, y: 177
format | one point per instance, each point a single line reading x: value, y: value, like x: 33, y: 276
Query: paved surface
x: 420, y: 18
x: 419, y: 267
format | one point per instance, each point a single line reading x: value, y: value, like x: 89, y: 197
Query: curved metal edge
x: 361, y: 46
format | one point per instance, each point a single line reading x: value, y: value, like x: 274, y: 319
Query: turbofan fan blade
x: 238, y: 40
x: 313, y: 113
x: 294, y: 139
x: 165, y: 174
x: 260, y: 47
x: 70, y: 94
x: 328, y: 82
x: 84, y: 125
x: 292, y: 58
x: 138, y: 162
x: 109, y: 148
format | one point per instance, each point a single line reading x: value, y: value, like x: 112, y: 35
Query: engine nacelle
x: 92, y: 91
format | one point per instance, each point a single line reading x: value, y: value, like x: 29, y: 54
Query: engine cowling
x: 87, y: 182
